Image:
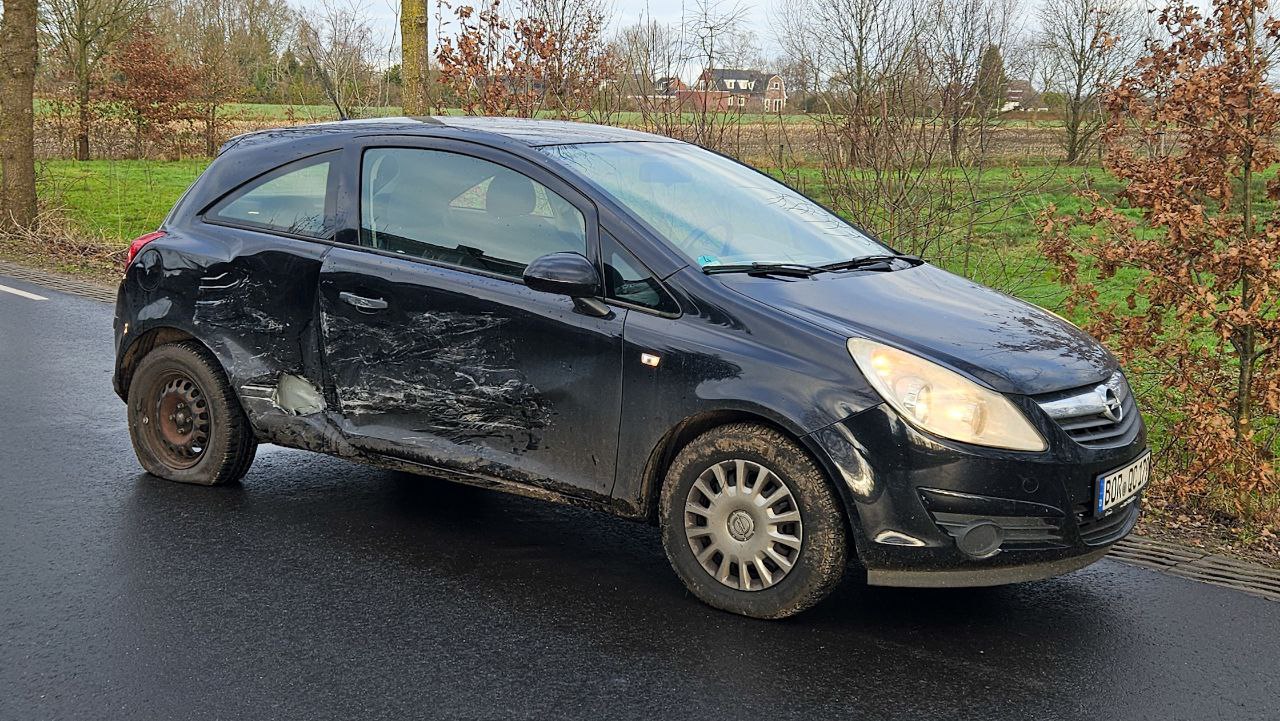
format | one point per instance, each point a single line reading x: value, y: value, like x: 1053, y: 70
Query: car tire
x: 727, y: 495
x: 185, y: 421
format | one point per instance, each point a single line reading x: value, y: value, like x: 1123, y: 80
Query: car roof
x: 495, y: 130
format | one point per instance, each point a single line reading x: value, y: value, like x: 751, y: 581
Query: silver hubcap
x: 743, y: 525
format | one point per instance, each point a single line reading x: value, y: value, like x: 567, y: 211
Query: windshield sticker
x: 705, y: 260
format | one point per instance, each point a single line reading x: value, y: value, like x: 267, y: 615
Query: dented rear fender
x: 249, y: 299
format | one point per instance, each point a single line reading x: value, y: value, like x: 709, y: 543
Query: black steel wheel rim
x: 176, y: 420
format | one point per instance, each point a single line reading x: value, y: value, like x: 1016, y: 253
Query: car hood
x: 1012, y: 346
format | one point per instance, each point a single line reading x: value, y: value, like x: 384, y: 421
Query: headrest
x: 509, y: 195
x: 386, y: 170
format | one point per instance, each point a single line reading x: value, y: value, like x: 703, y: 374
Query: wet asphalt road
x: 324, y: 589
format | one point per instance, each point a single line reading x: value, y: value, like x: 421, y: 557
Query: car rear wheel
x: 185, y: 421
x: 750, y: 524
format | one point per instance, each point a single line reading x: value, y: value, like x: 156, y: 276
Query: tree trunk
x: 17, y: 116
x: 1245, y: 339
x: 1071, y: 124
x: 210, y: 128
x: 414, y: 58
x: 953, y: 141
x: 82, y: 114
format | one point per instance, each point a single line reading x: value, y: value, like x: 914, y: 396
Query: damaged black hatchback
x: 619, y: 320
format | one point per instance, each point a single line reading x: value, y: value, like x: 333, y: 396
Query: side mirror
x: 568, y: 274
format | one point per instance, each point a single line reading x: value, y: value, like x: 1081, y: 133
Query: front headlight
x: 943, y: 402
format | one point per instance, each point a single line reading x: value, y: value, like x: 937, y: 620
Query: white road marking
x: 22, y: 293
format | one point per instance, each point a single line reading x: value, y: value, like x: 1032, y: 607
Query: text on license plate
x: 1116, y: 487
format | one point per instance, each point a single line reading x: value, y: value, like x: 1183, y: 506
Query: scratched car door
x: 438, y: 353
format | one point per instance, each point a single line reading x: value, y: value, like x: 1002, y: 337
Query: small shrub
x: 1190, y: 132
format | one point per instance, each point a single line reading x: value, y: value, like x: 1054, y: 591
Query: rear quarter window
x: 290, y: 199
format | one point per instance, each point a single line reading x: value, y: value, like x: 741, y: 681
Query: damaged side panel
x: 479, y: 374
x: 250, y: 298
x: 486, y: 383
x: 449, y: 369
x: 297, y: 396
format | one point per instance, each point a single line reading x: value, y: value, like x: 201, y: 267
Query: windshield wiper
x: 796, y: 269
x: 867, y: 262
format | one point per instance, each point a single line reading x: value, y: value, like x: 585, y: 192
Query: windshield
x: 714, y: 210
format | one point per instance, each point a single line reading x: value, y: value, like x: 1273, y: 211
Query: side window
x: 463, y: 211
x: 626, y: 280
x: 290, y: 199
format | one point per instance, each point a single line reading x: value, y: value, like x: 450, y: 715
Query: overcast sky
x: 670, y: 11
x: 383, y: 14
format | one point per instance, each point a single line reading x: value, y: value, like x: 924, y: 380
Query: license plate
x: 1118, y: 486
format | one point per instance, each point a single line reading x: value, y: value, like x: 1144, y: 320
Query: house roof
x: 732, y: 78
x: 1021, y: 86
x: 669, y: 84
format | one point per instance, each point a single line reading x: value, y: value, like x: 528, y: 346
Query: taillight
x: 136, y: 246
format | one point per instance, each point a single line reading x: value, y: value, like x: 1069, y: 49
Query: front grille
x: 1084, y: 415
x: 1096, y: 430
x: 1101, y: 531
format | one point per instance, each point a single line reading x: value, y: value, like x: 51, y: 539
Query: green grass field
x: 116, y: 199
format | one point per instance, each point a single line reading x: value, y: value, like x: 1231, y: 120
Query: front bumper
x: 914, y: 497
x: 983, y: 575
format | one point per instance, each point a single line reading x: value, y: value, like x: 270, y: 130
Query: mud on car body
x: 618, y: 320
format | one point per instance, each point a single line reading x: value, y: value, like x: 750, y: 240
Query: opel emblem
x: 1112, y: 409
x: 741, y: 527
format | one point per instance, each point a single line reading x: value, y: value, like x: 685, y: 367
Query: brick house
x: 1022, y: 95
x: 724, y: 89
x: 655, y: 92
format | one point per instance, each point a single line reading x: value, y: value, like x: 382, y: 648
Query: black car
x: 614, y: 319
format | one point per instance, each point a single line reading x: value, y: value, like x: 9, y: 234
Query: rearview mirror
x: 568, y: 274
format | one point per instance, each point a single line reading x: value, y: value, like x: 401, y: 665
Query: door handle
x: 360, y: 302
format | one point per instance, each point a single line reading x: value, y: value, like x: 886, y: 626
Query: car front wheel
x: 750, y: 523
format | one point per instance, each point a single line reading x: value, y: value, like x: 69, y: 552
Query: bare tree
x: 1088, y: 46
x: 741, y: 49
x: 1024, y: 60
x: 254, y: 33
x: 205, y: 30
x: 649, y: 50
x: 657, y: 58
x: 339, y: 38
x: 652, y: 59
x: 83, y: 32
x: 575, y: 61
x: 877, y: 118
x: 712, y: 33
x: 802, y: 62
x: 960, y: 33
x: 881, y: 137
x: 18, y: 49
x: 863, y: 47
